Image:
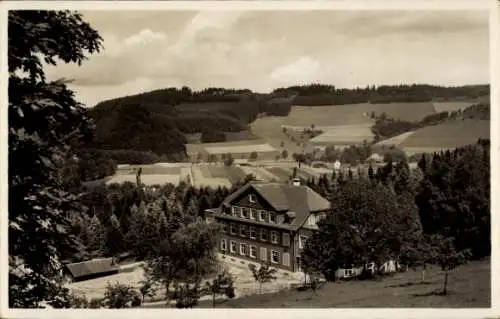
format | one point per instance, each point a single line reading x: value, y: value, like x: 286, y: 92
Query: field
x: 344, y: 134
x: 451, y: 106
x: 238, y: 149
x: 396, y: 140
x: 156, y: 174
x: 232, y: 173
x: 448, y: 135
x: 468, y: 287
x: 355, y: 114
x: 342, y: 124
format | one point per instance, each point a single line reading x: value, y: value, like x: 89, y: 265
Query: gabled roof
x: 90, y: 267
x: 283, y: 197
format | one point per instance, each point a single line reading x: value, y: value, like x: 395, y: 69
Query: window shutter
x: 286, y: 239
x: 286, y: 259
x: 263, y: 253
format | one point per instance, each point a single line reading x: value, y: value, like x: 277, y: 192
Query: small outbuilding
x: 91, y: 269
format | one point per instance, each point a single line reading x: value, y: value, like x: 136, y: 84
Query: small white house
x: 337, y: 165
x: 346, y: 273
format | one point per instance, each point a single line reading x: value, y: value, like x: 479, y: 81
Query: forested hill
x: 156, y: 121
x: 319, y: 94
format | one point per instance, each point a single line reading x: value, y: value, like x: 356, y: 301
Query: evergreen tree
x: 371, y: 174
x: 97, y: 237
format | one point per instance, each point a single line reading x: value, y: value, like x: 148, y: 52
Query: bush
x: 136, y: 302
x: 119, y: 296
x: 96, y: 303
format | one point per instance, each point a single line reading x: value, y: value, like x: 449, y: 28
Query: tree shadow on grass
x: 437, y: 292
x: 409, y: 284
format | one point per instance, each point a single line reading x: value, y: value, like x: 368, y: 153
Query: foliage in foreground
x: 44, y: 121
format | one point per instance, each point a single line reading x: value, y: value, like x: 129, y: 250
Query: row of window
x: 255, y: 214
x: 251, y: 232
x: 251, y: 251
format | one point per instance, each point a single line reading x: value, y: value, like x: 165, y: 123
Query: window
x: 243, y: 249
x: 272, y: 217
x: 286, y: 259
x: 242, y: 212
x: 224, y: 228
x: 253, y: 233
x: 263, y: 253
x: 348, y: 272
x: 251, y: 198
x: 233, y: 229
x: 286, y: 239
x: 263, y: 235
x: 263, y: 216
x: 275, y: 257
x: 233, y: 246
x: 243, y: 231
x: 253, y: 213
x: 253, y: 251
x: 235, y: 211
x: 302, y: 241
x: 274, y: 237
x: 223, y: 245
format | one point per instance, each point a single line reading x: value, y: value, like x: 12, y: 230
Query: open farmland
x: 155, y: 174
x: 238, y: 149
x: 342, y: 124
x: 445, y: 136
x: 451, y: 106
x: 148, y: 170
x: 149, y: 180
x: 330, y: 115
x: 396, y: 140
x: 232, y: 173
x: 344, y: 134
x: 355, y: 114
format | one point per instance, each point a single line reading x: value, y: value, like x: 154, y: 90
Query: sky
x: 263, y: 50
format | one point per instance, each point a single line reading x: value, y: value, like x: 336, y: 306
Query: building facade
x: 268, y: 222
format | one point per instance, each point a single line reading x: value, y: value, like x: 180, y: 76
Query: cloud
x: 266, y: 49
x: 305, y: 69
x: 143, y: 37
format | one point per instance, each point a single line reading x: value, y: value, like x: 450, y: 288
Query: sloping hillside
x: 447, y: 135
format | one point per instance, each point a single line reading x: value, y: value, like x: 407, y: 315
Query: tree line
x: 321, y: 94
x: 438, y: 214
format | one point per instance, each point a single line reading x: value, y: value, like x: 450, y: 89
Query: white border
x: 491, y: 5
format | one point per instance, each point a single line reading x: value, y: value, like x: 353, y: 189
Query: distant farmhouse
x: 269, y: 222
x: 90, y: 269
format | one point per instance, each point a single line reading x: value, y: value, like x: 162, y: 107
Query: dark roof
x: 283, y: 198
x: 90, y: 267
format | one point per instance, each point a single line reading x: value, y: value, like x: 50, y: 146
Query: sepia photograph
x: 196, y: 157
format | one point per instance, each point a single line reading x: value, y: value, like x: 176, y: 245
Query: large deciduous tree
x: 361, y: 228
x: 44, y: 120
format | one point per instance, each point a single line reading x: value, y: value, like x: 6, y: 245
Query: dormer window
x: 272, y: 217
x: 262, y: 216
x: 251, y: 198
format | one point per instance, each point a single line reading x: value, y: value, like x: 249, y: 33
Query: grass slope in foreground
x: 468, y: 285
